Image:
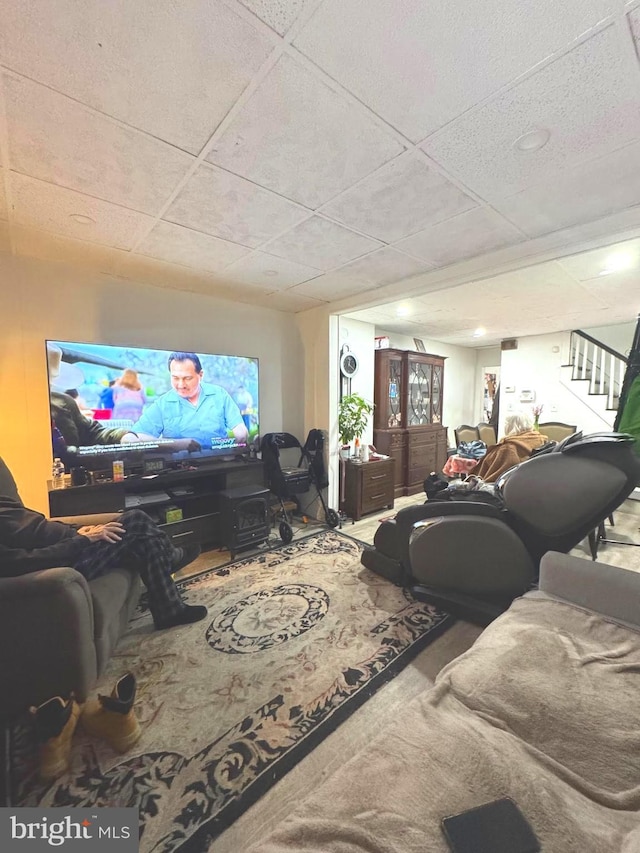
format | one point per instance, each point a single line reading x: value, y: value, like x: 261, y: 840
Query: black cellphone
x: 496, y: 827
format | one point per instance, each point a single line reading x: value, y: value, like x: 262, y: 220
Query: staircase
x: 594, y: 374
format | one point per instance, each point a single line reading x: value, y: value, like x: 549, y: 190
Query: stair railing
x: 603, y: 366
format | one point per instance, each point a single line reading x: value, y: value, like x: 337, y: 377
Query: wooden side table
x: 369, y: 486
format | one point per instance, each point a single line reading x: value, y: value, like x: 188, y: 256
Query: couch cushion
x: 110, y: 594
x: 543, y: 708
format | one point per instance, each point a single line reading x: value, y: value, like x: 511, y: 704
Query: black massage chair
x: 473, y: 559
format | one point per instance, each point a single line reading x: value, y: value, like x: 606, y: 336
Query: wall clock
x: 349, y: 363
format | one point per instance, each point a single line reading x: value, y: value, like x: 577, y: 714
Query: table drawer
x: 422, y: 440
x: 377, y: 501
x: 368, y: 487
x: 397, y: 441
x: 376, y: 492
x: 201, y: 529
x: 376, y: 473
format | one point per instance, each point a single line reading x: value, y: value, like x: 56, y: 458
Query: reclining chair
x: 472, y: 559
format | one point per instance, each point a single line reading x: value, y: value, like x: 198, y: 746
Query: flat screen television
x: 150, y: 408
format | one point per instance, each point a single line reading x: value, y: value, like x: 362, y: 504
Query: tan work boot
x: 112, y: 718
x: 55, y: 722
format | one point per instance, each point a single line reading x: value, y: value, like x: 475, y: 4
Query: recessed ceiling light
x: 618, y: 262
x: 479, y: 332
x: 534, y: 140
x: 403, y: 311
x: 82, y: 219
x: 271, y: 272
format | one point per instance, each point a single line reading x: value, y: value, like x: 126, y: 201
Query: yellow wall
x: 41, y: 300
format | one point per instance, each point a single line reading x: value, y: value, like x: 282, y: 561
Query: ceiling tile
x: 173, y: 69
x: 587, y: 100
x: 181, y: 245
x: 419, y: 65
x: 620, y: 289
x: 268, y: 272
x: 321, y: 244
x: 226, y: 206
x: 5, y: 240
x: 287, y: 300
x: 378, y: 268
x: 52, y: 247
x: 402, y: 197
x: 329, y: 287
x: 471, y: 233
x: 294, y: 118
x: 383, y: 266
x: 58, y: 140
x: 577, y: 195
x: 177, y: 277
x: 48, y: 207
x: 589, y: 265
x: 280, y: 16
x: 535, y: 300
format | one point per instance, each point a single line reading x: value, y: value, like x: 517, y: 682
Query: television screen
x: 139, y: 404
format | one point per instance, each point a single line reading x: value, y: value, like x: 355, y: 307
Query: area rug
x: 295, y: 641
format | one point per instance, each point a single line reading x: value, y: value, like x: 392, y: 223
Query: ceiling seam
x: 628, y: 45
x: 598, y: 28
x: 538, y: 253
x: 282, y: 45
x: 94, y: 111
x: 253, y: 20
x: 246, y: 94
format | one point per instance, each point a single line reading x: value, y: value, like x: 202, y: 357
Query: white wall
x: 459, y: 379
x: 618, y: 337
x: 359, y: 337
x: 40, y: 300
x: 536, y: 366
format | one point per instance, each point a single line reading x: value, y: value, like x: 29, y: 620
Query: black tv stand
x: 194, y: 491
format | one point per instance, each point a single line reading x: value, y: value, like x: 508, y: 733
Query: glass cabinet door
x: 419, y: 393
x: 436, y: 398
x: 393, y: 413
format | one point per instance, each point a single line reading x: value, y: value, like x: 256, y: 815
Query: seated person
x: 520, y: 439
x: 192, y: 408
x: 70, y: 428
x: 76, y: 430
x: 29, y: 542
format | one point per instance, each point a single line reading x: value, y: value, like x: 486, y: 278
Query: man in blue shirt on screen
x: 193, y: 409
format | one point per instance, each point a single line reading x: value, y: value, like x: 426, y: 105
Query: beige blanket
x: 544, y: 708
x: 509, y: 451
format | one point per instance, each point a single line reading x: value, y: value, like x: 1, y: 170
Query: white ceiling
x: 292, y: 153
x: 597, y: 288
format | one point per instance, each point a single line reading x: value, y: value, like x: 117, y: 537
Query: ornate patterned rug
x: 296, y: 640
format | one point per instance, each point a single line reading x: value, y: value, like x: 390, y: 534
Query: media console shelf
x: 196, y: 492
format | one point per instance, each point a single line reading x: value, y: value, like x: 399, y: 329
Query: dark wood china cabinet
x: 407, y: 420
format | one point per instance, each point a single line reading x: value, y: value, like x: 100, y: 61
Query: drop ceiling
x: 596, y: 288
x: 303, y: 152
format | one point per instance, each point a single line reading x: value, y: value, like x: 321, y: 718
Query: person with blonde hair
x: 128, y: 396
x: 520, y: 439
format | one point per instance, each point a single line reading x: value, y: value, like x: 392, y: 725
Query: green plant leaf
x: 353, y: 415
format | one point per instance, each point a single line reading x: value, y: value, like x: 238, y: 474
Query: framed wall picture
x: 419, y: 345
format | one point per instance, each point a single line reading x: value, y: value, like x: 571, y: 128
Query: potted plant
x: 353, y: 414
